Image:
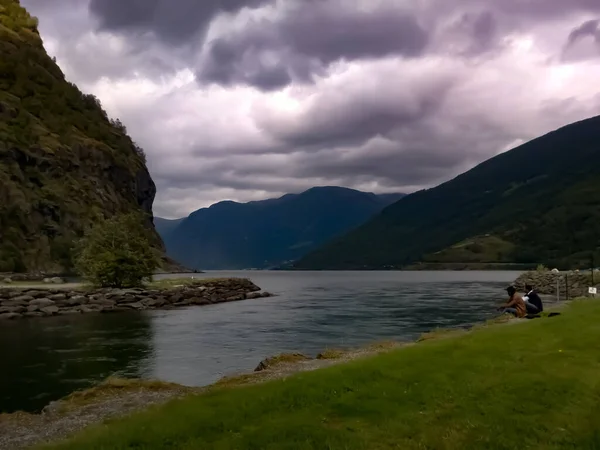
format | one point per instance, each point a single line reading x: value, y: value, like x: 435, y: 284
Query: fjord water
x: 45, y: 359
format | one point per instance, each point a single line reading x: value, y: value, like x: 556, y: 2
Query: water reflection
x: 46, y: 359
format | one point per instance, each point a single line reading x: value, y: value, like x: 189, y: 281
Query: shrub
x: 117, y: 253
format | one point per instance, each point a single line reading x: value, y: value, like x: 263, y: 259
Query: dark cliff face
x: 63, y: 163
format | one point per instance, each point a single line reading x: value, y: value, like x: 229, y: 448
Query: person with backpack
x: 533, y: 302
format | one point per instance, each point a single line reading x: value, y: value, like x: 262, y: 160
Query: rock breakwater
x: 18, y: 303
x: 570, y: 284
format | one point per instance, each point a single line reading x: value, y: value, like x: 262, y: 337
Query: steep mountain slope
x: 63, y: 163
x: 269, y: 233
x: 538, y: 203
x: 165, y: 226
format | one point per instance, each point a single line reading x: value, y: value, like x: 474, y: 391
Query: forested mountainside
x: 269, y: 233
x: 63, y: 162
x: 538, y: 203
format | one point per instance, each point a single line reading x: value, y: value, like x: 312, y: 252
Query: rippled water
x: 45, y: 359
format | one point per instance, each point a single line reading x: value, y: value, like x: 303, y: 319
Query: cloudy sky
x: 250, y: 99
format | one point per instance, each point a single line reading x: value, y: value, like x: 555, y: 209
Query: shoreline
x: 115, y: 398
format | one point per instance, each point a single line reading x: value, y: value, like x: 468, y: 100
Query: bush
x: 117, y: 253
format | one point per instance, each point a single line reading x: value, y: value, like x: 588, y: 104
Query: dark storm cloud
x: 174, y: 21
x: 589, y: 28
x: 270, y: 53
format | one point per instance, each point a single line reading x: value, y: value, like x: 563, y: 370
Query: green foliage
x: 63, y: 162
x: 476, y: 390
x: 542, y: 198
x: 117, y: 253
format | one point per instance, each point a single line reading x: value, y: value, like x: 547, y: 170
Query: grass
x: 532, y: 384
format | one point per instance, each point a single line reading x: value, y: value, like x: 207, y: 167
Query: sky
x: 251, y: 99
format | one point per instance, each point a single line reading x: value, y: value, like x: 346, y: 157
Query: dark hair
x: 511, y: 290
x: 529, y: 287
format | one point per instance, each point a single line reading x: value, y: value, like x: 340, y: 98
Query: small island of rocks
x: 27, y: 302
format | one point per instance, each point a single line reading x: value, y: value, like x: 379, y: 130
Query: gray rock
x: 10, y: 316
x: 47, y: 280
x: 104, y: 302
x: 33, y: 314
x: 253, y: 295
x: 12, y: 309
x: 23, y: 298
x: 137, y: 305
x: 235, y: 298
x: 7, y: 280
x: 57, y: 297
x: 50, y: 310
x: 154, y: 302
x: 200, y: 301
x: 57, y: 280
x: 41, y: 302
x: 77, y: 300
x: 13, y: 303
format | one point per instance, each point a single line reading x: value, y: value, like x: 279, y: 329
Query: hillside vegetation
x: 469, y: 390
x: 63, y: 162
x: 269, y: 233
x: 538, y: 203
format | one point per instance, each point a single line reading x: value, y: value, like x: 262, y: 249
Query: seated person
x: 515, y: 304
x: 533, y: 302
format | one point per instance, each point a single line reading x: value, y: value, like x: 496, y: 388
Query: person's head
x: 528, y: 287
x: 511, y: 291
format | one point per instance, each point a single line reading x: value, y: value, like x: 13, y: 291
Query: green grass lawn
x: 534, y: 384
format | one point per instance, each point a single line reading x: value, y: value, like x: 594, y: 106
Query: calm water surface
x: 45, y: 359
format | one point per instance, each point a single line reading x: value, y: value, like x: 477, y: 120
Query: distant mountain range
x: 269, y: 233
x: 538, y: 203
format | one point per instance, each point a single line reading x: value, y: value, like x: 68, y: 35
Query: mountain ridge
x: 540, y: 200
x: 269, y: 233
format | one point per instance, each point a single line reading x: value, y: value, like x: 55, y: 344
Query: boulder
x: 7, y: 280
x: 57, y: 297
x: 50, y: 310
x: 284, y: 358
x: 22, y: 298
x: 137, y: 306
x: 199, y: 301
x: 10, y: 316
x: 12, y: 309
x: 154, y: 302
x: 41, y: 302
x: 57, y: 280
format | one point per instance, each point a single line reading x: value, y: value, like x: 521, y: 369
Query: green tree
x: 117, y: 253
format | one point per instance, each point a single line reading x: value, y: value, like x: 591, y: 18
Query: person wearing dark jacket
x: 532, y: 300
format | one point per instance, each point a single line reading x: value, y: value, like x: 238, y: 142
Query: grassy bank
x: 525, y: 384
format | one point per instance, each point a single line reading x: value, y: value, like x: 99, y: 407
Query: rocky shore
x: 23, y: 303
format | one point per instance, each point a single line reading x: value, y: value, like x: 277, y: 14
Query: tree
x: 117, y: 253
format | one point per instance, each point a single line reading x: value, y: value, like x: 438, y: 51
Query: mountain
x: 269, y: 233
x: 63, y: 162
x: 166, y: 226
x: 538, y: 203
